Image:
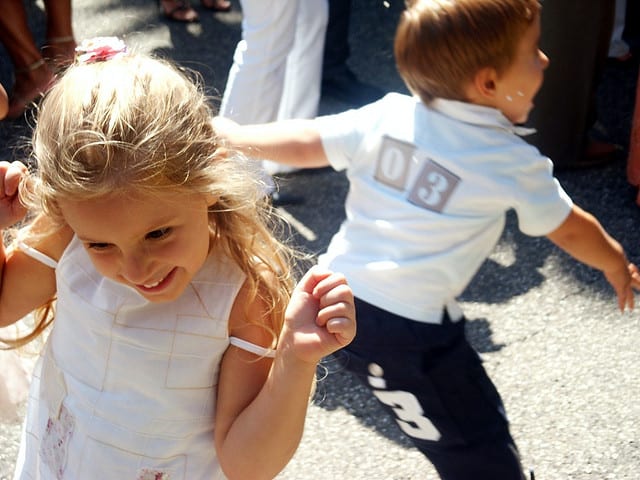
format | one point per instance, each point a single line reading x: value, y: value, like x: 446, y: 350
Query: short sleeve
x: 342, y: 134
x: 541, y: 202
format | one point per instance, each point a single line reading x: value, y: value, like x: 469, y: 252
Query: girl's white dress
x: 125, y: 388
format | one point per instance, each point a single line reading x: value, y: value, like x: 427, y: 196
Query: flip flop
x: 19, y: 102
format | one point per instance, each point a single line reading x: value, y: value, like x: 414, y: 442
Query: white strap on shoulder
x: 252, y: 347
x: 37, y: 255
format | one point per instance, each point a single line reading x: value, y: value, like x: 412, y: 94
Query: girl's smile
x: 158, y: 286
x: 154, y: 244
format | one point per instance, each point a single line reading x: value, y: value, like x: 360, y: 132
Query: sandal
x: 178, y: 11
x: 216, y: 5
x: 21, y: 101
x: 59, y: 52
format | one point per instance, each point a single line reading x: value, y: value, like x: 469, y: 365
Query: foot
x: 216, y: 5
x: 624, y: 58
x: 595, y: 154
x: 178, y: 11
x: 596, y: 149
x: 59, y: 52
x: 31, y: 82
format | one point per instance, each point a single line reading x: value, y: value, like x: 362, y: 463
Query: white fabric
x: 251, y: 347
x: 126, y: 388
x: 429, y: 191
x: 277, y: 65
x: 14, y: 384
x: 35, y: 254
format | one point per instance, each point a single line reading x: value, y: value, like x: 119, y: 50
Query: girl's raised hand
x: 320, y: 318
x: 11, y: 209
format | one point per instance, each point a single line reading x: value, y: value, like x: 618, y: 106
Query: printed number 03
x: 431, y: 194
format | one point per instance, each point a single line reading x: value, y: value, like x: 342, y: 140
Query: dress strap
x: 37, y: 255
x: 252, y: 347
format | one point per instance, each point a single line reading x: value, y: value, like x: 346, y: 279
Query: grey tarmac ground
x: 562, y: 356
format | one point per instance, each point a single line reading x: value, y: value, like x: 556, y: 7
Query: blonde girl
x: 172, y: 353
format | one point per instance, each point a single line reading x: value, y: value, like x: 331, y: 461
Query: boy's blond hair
x: 140, y: 124
x: 441, y: 44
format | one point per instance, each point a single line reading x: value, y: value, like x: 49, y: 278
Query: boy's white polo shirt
x: 429, y: 191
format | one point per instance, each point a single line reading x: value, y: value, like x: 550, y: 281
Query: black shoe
x: 278, y: 199
x: 345, y: 87
x: 593, y: 159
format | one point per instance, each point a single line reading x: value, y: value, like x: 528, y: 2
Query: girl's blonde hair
x: 441, y: 44
x: 138, y: 123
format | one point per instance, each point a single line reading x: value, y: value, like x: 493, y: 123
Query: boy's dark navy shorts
x: 432, y: 381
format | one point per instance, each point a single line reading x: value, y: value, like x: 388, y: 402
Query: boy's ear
x: 484, y: 83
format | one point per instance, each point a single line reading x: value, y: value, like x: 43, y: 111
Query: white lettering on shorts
x: 405, y: 406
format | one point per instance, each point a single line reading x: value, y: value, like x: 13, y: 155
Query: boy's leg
x: 432, y: 381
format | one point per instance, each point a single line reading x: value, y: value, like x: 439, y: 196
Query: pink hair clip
x: 100, y: 49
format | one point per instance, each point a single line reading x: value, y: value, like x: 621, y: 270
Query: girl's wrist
x: 292, y: 354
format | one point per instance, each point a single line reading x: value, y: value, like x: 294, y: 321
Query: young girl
x: 173, y: 353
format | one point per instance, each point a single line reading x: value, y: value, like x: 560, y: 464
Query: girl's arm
x: 4, y: 102
x: 25, y: 283
x: 582, y: 237
x: 290, y: 142
x: 262, y: 403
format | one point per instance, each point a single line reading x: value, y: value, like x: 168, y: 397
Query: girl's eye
x: 158, y: 234
x: 97, y: 246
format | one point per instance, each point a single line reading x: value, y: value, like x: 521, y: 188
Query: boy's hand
x: 224, y: 127
x: 320, y: 318
x: 624, y: 282
x: 11, y: 209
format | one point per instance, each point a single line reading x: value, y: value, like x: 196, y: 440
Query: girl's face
x: 518, y: 85
x: 154, y: 244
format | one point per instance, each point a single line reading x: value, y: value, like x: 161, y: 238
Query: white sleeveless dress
x: 125, y: 388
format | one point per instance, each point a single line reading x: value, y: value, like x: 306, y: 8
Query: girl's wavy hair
x: 138, y: 123
x: 441, y: 44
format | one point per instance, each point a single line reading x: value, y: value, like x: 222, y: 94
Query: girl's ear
x: 211, y: 199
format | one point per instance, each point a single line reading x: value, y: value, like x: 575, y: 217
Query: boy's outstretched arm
x: 290, y: 142
x: 262, y: 403
x: 582, y: 237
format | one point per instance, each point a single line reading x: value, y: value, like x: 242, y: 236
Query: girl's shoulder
x: 45, y: 238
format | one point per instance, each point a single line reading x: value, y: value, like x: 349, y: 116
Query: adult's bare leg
x: 32, y: 75
x: 60, y: 45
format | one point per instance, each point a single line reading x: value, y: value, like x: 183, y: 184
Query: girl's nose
x: 134, y: 268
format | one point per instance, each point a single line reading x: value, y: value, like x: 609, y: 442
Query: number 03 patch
x: 432, y: 187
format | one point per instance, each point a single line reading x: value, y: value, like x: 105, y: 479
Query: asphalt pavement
x: 562, y: 355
